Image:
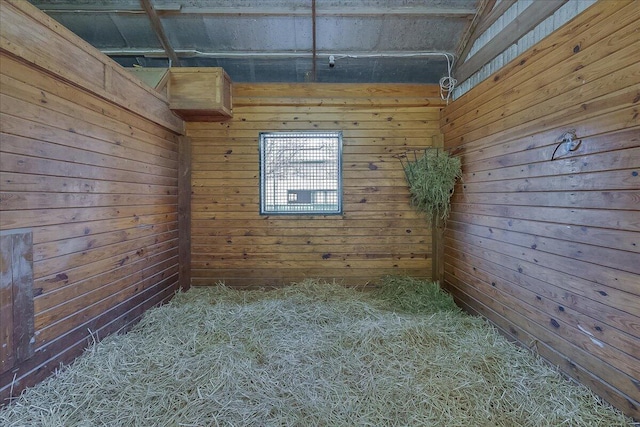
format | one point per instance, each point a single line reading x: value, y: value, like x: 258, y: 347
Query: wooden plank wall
x: 16, y: 297
x: 548, y: 250
x: 94, y: 181
x: 378, y: 233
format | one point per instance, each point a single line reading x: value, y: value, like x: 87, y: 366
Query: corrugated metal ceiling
x: 373, y: 41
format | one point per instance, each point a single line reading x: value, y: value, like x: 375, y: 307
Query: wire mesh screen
x: 300, y: 173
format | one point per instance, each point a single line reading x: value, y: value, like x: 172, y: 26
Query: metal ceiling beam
x: 107, y: 8
x: 87, y: 11
x: 329, y: 11
x: 423, y: 11
x: 313, y: 36
x: 157, y: 27
x: 89, y: 8
x: 191, y: 53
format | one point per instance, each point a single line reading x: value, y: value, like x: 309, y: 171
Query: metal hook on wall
x: 570, y: 142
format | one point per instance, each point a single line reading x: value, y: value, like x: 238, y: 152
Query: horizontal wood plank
x: 548, y: 249
x: 583, y: 32
x: 510, y: 34
x: 232, y: 242
x: 88, y: 162
x: 577, y: 356
x: 539, y: 292
x: 39, y: 40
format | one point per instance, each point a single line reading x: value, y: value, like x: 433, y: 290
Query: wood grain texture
x: 7, y: 346
x: 521, y: 25
x: 485, y: 12
x: 379, y: 232
x: 38, y: 39
x: 547, y: 249
x: 200, y: 93
x: 89, y: 162
x: 16, y: 302
x: 184, y: 211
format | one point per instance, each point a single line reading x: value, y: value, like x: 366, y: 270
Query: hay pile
x: 432, y: 179
x: 312, y: 354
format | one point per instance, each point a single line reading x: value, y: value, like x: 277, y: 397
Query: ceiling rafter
x: 436, y: 12
x: 314, y: 48
x: 189, y: 53
x: 493, y: 16
x: 330, y: 11
x: 157, y: 27
x: 521, y: 25
x: 472, y: 34
x: 265, y: 40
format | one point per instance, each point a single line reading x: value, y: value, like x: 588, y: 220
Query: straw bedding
x: 312, y: 354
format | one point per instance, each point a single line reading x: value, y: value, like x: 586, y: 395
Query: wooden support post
x: 184, y: 211
x: 16, y: 297
x: 437, y: 243
x: 437, y: 233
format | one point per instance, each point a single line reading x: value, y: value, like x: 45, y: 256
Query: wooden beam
x: 521, y: 25
x: 437, y: 232
x: 159, y: 30
x: 184, y: 212
x: 152, y: 77
x: 493, y: 15
x: 99, y: 75
x: 472, y: 34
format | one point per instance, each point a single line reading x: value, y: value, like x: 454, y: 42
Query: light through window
x: 300, y: 173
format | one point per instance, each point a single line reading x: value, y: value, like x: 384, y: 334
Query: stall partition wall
x: 378, y: 233
x: 543, y: 240
x: 89, y: 183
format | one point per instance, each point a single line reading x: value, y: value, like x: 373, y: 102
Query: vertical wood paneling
x: 548, y: 250
x: 379, y: 233
x: 16, y: 300
x: 7, y: 347
x: 22, y: 301
x: 95, y: 182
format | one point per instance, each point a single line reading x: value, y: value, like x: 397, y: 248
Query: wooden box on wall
x: 200, y: 93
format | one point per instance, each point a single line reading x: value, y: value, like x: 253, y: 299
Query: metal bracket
x: 569, y: 141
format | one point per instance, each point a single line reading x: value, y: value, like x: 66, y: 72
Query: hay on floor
x: 312, y: 354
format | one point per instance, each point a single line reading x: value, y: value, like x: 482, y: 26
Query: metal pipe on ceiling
x: 327, y: 11
x: 313, y: 37
x: 192, y: 53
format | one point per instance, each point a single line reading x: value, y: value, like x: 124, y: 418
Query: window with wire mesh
x: 301, y: 173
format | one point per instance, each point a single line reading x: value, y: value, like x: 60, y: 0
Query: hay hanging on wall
x: 431, y: 177
x: 312, y: 354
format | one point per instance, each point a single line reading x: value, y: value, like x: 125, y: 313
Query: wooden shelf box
x: 200, y: 93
